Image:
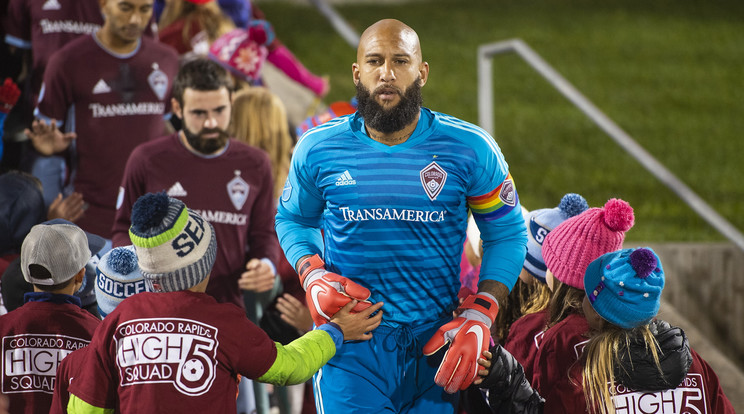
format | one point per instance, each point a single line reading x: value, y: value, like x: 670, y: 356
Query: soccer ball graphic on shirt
x: 192, y: 370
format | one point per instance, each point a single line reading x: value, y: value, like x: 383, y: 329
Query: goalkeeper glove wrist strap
x: 485, y: 303
x: 310, y: 270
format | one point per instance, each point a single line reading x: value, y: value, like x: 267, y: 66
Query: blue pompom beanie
x: 117, y: 278
x: 624, y: 287
x: 540, y: 223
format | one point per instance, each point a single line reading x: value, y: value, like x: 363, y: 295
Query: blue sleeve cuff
x: 17, y: 42
x: 335, y: 331
x: 271, y: 265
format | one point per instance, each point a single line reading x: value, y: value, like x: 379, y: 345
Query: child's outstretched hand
x: 485, y: 363
x: 358, y: 326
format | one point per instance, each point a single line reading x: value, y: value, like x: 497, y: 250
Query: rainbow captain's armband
x: 497, y: 203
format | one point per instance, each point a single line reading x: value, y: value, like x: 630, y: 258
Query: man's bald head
x: 390, y: 30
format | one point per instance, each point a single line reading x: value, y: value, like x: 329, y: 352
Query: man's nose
x: 388, y: 72
x: 211, y: 122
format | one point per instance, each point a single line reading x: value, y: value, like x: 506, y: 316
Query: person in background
x: 260, y: 120
x: 22, y: 207
x: 526, y: 332
x: 190, y: 26
x: 52, y: 322
x: 568, y: 249
x: 623, y: 290
x: 106, y: 108
x: 228, y: 181
x: 246, y: 15
x: 9, y: 94
x: 117, y: 278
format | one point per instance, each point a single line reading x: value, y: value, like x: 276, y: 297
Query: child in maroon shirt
x: 526, y: 332
x: 176, y: 349
x: 51, y: 324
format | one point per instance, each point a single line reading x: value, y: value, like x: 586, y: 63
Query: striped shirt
x: 394, y: 217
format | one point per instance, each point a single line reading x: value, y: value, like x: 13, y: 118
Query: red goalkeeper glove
x: 469, y: 335
x: 328, y: 292
x: 9, y: 94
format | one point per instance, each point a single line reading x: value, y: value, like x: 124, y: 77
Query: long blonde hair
x: 602, y: 355
x: 209, y: 15
x: 260, y: 119
x: 538, y: 298
x: 566, y: 300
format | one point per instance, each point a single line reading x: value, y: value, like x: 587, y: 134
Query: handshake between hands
x: 334, y: 298
x: 469, y: 334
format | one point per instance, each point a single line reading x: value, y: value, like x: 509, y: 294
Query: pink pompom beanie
x: 578, y: 241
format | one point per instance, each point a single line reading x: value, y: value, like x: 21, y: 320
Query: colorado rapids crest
x: 237, y: 190
x: 433, y: 178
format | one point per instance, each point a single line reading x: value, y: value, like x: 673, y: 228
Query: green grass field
x: 670, y: 73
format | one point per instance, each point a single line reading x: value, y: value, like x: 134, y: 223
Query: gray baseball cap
x: 54, y: 251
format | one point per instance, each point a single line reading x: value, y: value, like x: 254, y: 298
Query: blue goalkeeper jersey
x: 394, y: 217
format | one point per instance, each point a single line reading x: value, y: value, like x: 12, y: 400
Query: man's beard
x: 395, y: 118
x: 206, y: 146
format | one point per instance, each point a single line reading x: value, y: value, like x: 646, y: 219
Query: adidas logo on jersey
x: 345, y: 179
x: 101, y: 87
x: 177, y: 190
x: 51, y: 5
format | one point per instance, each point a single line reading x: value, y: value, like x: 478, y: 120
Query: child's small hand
x: 294, y: 312
x: 485, y: 362
x: 358, y: 326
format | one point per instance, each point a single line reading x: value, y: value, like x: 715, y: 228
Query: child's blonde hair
x: 259, y: 118
x: 564, y: 301
x: 538, y: 298
x: 602, y: 356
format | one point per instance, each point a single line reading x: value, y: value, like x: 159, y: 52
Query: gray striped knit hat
x: 175, y: 246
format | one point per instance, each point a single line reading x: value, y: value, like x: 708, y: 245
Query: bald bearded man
x: 391, y: 186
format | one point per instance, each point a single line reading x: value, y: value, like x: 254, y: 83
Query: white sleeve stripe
x: 462, y: 125
x: 322, y: 127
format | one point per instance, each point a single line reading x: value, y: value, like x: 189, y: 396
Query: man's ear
x: 176, y: 108
x: 355, y: 73
x: 424, y: 72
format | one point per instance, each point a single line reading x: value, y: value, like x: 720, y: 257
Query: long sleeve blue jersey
x: 394, y: 217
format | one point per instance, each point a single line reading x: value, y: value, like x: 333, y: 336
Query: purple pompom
x: 122, y: 260
x: 643, y: 262
x: 572, y: 205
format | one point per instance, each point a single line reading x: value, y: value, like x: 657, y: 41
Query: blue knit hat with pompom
x: 117, y: 278
x: 175, y: 246
x: 624, y: 286
x: 540, y: 223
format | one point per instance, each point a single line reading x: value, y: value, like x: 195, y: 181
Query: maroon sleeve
x: 262, y: 238
x: 96, y: 380
x: 66, y: 371
x: 132, y: 187
x: 719, y: 403
x: 56, y: 96
x: 253, y: 350
x: 18, y: 21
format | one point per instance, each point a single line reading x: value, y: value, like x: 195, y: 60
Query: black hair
x: 200, y: 74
